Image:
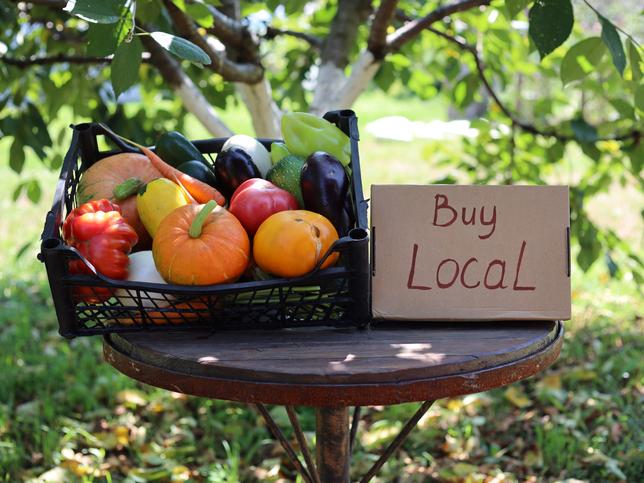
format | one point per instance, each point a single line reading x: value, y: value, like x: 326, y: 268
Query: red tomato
x: 256, y: 199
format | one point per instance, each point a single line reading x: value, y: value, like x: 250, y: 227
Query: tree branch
x: 635, y: 134
x: 377, y: 42
x: 411, y: 30
x: 343, y: 32
x: 194, y: 101
x: 234, y: 34
x: 313, y: 41
x: 229, y: 70
x: 25, y: 62
x: 57, y: 4
x: 225, y: 28
x: 334, y: 56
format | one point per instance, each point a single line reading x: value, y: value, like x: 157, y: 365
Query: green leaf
x: 625, y: 109
x: 17, y: 156
x: 590, y: 246
x: 16, y: 192
x: 634, y: 59
x: 584, y: 132
x: 181, y: 47
x: 614, y: 43
x: 56, y: 161
x: 200, y: 14
x: 639, y: 97
x: 550, y: 24
x: 96, y: 11
x: 23, y: 249
x: 125, y: 66
x: 386, y: 76
x: 33, y: 191
x: 581, y: 59
x: 148, y: 11
x: 105, y: 38
x: 516, y: 6
x: 555, y: 152
x: 7, y: 12
x: 38, y: 127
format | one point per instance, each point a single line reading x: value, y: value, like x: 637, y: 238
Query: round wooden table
x: 332, y: 369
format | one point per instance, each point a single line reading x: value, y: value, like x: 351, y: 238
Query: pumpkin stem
x: 127, y: 188
x: 197, y: 223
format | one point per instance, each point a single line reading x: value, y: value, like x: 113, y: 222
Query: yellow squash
x: 158, y: 199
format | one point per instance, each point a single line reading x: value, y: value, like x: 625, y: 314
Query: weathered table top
x: 386, y: 364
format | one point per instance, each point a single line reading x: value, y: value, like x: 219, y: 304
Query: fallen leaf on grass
x: 76, y: 467
x: 379, y: 435
x: 516, y: 396
x: 454, y: 404
x: 458, y: 471
x: 180, y: 473
x: 551, y: 381
x: 581, y: 374
x: 131, y: 397
x: 55, y: 475
x: 532, y: 458
x: 122, y: 434
x: 28, y: 409
x: 150, y: 474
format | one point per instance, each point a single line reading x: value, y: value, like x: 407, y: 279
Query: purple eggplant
x: 326, y: 189
x: 233, y: 166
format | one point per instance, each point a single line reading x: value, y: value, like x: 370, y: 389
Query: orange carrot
x: 199, y: 190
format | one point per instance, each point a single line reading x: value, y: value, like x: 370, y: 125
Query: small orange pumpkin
x: 291, y: 243
x: 200, y: 245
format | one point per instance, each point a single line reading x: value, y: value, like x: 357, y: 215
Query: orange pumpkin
x: 200, y: 245
x: 291, y: 243
x: 117, y: 178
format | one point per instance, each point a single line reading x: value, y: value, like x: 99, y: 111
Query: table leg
x: 332, y: 444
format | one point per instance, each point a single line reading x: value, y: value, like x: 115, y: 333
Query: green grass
x: 66, y: 413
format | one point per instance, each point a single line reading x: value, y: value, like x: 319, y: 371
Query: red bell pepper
x: 99, y: 232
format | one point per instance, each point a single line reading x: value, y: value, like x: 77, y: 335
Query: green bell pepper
x: 306, y: 133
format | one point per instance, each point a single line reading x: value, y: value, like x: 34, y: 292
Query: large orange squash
x: 291, y: 243
x: 109, y: 174
x: 200, y: 245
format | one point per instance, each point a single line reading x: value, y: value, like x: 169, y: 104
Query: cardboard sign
x: 446, y: 252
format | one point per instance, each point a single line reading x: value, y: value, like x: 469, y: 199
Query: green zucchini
x: 174, y: 148
x: 200, y: 171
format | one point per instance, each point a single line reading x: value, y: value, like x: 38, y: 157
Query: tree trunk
x: 196, y: 103
x: 193, y: 100
x: 330, y: 82
x: 334, y: 56
x: 364, y: 69
x: 263, y: 111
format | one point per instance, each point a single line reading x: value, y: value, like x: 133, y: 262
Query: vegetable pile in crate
x: 220, y: 233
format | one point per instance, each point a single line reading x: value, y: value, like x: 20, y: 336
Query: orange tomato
x: 291, y: 243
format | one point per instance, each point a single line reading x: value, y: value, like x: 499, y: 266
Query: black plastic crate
x: 337, y: 296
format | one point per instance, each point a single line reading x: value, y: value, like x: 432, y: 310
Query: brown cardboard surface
x: 510, y: 260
